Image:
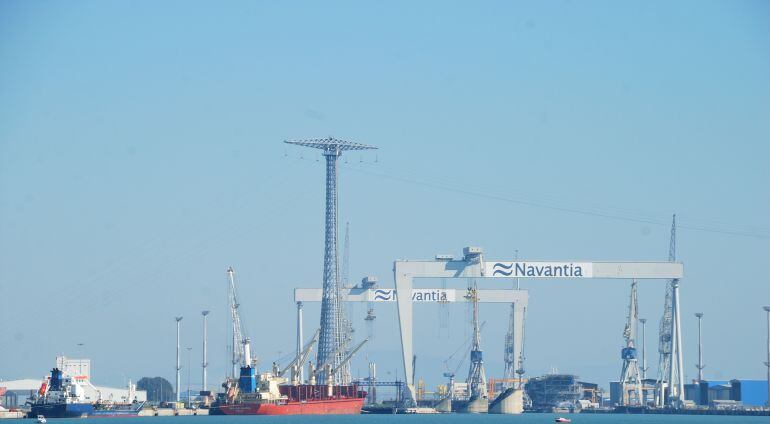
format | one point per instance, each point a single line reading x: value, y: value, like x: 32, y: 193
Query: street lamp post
x: 767, y: 364
x: 644, y: 350
x: 204, y: 384
x: 178, y: 365
x: 189, y: 350
x: 700, y: 365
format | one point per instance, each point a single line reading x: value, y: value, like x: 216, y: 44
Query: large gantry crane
x: 471, y: 265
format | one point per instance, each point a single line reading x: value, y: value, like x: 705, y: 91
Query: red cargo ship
x: 268, y: 396
x: 270, y: 393
x: 302, y: 399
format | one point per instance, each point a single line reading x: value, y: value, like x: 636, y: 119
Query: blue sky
x: 141, y: 155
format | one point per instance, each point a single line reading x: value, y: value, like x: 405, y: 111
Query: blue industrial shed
x: 750, y: 392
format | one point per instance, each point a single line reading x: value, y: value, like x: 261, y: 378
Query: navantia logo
x: 501, y: 269
x: 386, y: 295
x: 542, y: 269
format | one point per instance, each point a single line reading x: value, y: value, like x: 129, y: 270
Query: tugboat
x: 62, y: 397
x: 270, y: 393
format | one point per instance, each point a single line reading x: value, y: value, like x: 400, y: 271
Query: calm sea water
x: 430, y: 419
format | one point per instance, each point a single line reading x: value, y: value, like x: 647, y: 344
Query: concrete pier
x: 472, y: 406
x: 510, y: 401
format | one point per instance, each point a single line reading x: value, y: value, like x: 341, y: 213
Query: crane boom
x: 320, y: 367
x: 300, y: 359
x: 350, y: 356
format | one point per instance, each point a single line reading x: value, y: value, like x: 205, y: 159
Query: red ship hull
x: 311, y: 407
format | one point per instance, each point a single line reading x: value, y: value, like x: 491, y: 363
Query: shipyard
x: 391, y: 211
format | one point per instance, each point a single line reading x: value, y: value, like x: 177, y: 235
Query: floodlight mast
x: 332, y: 329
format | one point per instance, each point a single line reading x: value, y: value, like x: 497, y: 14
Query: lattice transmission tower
x: 332, y: 339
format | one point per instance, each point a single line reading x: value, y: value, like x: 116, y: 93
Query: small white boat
x: 41, y: 419
x: 563, y: 420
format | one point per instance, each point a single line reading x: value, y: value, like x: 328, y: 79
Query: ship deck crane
x: 300, y: 359
x: 319, y: 368
x: 348, y: 357
x: 330, y: 372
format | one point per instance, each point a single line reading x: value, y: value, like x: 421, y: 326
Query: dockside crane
x: 665, y: 330
x: 241, y: 347
x: 520, y: 367
x: 477, y: 379
x: 630, y: 379
x: 510, y: 341
x: 450, y: 374
x: 508, y: 353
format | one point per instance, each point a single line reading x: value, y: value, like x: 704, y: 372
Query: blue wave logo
x: 380, y: 294
x: 501, y: 269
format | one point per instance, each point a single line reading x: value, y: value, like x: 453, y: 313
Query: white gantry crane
x: 630, y: 379
x: 474, y: 267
